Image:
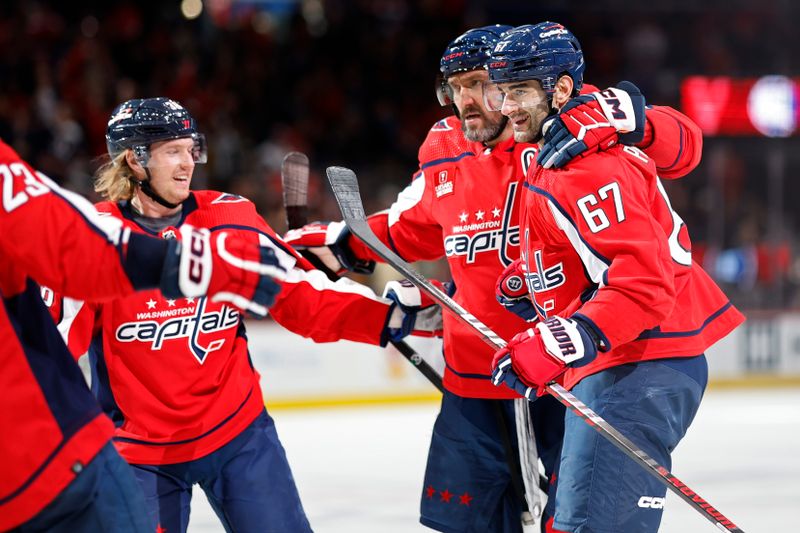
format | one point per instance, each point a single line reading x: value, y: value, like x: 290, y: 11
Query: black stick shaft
x: 294, y: 177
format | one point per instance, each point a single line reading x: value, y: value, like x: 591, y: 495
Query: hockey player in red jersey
x: 174, y: 373
x: 624, y: 315
x: 463, y: 205
x: 60, y: 472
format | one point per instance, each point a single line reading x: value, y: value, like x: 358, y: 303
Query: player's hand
x: 225, y: 266
x: 540, y: 354
x: 413, y: 311
x: 512, y: 293
x: 593, y: 122
x: 329, y: 242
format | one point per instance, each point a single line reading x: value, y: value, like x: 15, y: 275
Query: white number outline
x: 679, y: 254
x: 603, y: 221
x: 33, y: 187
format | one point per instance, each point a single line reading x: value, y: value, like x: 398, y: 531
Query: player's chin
x: 180, y: 194
x: 524, y: 136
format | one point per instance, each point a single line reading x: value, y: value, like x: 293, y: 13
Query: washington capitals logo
x: 227, y: 198
x: 442, y: 125
x: 192, y: 323
x: 493, y: 233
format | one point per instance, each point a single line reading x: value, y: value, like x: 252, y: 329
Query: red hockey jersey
x: 50, y: 423
x: 463, y: 204
x: 602, y: 232
x: 175, y: 375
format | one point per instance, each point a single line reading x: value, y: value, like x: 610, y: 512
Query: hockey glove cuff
x: 413, y: 312
x: 229, y: 268
x: 512, y: 293
x: 540, y: 354
x: 329, y: 241
x: 593, y: 122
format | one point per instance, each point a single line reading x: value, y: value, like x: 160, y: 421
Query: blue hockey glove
x: 413, y: 311
x: 593, y: 122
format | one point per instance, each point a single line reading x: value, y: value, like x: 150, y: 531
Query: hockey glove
x: 540, y: 354
x: 593, y: 122
x: 413, y: 312
x: 227, y: 267
x: 512, y: 293
x: 329, y: 242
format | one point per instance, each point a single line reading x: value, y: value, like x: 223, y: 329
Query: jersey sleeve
x: 604, y: 209
x: 59, y: 240
x: 407, y: 227
x: 311, y: 305
x: 673, y: 141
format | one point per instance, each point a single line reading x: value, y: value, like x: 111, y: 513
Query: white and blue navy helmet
x: 136, y: 124
x: 469, y: 51
x: 542, y: 52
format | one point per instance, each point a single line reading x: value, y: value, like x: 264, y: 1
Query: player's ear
x: 563, y: 91
x: 130, y: 158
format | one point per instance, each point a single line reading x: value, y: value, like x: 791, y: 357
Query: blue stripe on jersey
x: 680, y: 146
x: 89, y: 223
x: 446, y: 160
x: 185, y: 441
x: 605, y: 345
x: 277, y: 242
x: 35, y: 474
x: 52, y: 365
x: 550, y: 197
x: 464, y: 375
x: 101, y: 384
x: 392, y: 245
x: 656, y: 333
x: 55, y: 371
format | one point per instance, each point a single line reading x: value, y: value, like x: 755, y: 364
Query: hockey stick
x: 294, y: 177
x: 533, y: 504
x: 345, y: 187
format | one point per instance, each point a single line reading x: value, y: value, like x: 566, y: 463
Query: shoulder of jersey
x: 108, y: 208
x: 445, y: 142
x: 602, y: 166
x: 216, y: 198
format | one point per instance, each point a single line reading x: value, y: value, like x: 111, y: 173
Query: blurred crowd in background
x: 352, y: 83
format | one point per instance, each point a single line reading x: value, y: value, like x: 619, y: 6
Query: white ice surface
x: 359, y: 470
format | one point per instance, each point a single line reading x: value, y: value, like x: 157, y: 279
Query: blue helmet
x: 471, y: 50
x: 138, y: 123
x: 540, y: 52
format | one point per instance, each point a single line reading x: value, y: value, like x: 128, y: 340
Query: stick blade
x: 345, y: 188
x: 294, y: 177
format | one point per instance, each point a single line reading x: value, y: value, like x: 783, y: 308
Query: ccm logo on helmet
x: 651, y: 502
x: 197, y: 249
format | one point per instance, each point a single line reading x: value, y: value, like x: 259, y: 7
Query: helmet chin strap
x: 144, y: 185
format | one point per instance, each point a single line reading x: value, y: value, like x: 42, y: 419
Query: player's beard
x: 491, y: 129
x: 537, y: 116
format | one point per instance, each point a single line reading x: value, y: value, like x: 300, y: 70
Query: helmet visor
x: 525, y: 94
x: 171, y: 152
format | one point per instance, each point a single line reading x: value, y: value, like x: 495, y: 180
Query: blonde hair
x: 115, y: 180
